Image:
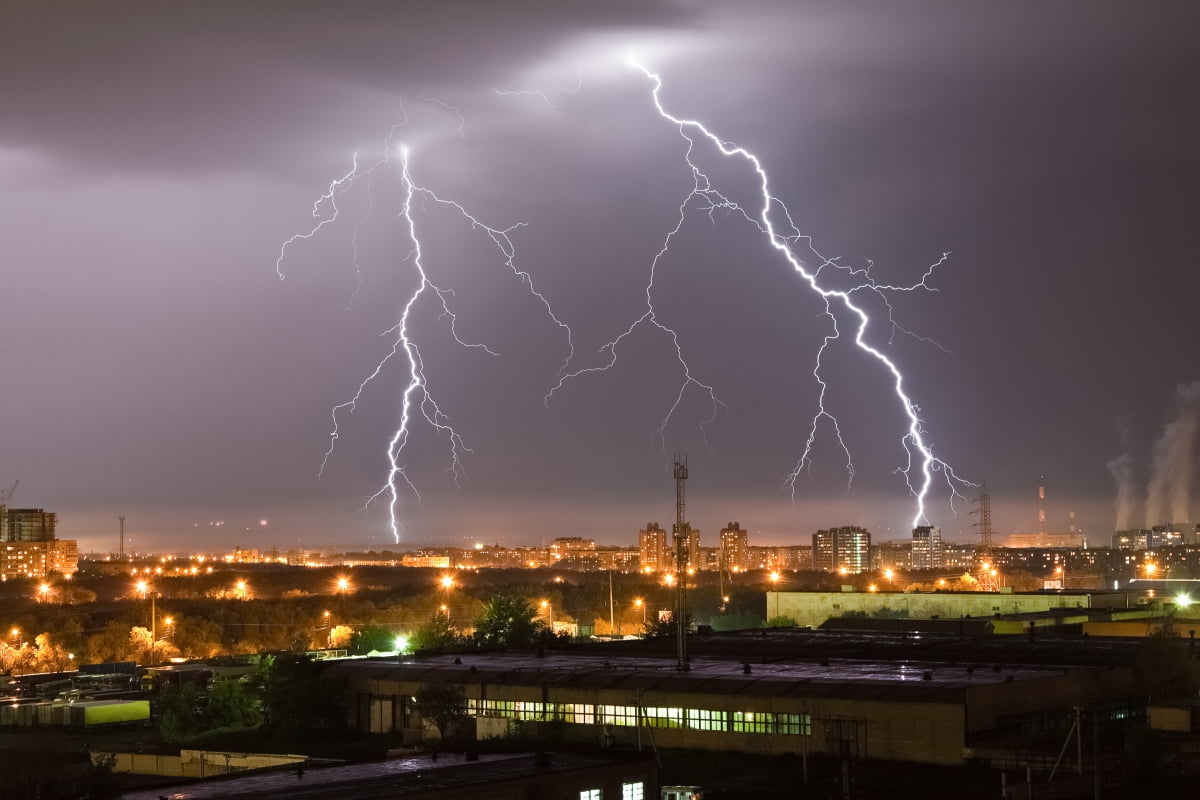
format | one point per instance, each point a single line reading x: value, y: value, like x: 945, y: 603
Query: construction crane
x: 6, y: 494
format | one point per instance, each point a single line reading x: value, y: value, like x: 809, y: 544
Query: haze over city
x: 157, y: 158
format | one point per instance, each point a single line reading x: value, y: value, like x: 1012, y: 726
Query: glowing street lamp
x: 549, y: 612
x: 342, y: 585
x: 447, y: 581
x: 774, y: 576
x: 1151, y: 568
x: 43, y: 592
x: 241, y: 589
x: 1182, y: 600
x: 142, y: 587
x: 18, y: 638
x: 669, y: 579
x: 640, y: 603
x: 890, y: 575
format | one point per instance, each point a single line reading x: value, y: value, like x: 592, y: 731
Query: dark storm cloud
x: 155, y: 155
x: 231, y: 85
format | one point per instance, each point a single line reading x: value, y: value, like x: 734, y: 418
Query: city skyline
x: 160, y: 369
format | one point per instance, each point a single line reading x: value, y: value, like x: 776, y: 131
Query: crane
x: 6, y: 495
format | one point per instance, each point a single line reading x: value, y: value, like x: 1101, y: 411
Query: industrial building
x: 814, y: 608
x: 922, y: 698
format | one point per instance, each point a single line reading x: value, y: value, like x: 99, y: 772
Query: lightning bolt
x: 774, y: 221
x: 417, y: 401
x: 913, y: 440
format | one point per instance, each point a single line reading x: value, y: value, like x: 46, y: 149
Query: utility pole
x: 122, y: 519
x: 680, y: 532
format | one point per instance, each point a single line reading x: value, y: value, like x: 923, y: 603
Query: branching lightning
x: 416, y: 399
x: 770, y: 218
x: 771, y: 210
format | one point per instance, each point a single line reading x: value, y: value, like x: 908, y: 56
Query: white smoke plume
x: 1121, y: 468
x: 1173, y: 461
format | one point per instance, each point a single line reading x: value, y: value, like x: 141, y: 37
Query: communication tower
x: 122, y: 551
x: 680, y: 534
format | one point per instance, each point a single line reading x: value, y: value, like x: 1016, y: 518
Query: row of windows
x: 629, y: 791
x: 701, y: 719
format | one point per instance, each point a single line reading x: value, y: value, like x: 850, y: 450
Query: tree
x: 780, y: 622
x: 181, y: 715
x: 298, y: 697
x: 437, y: 634
x: 507, y: 621
x: 443, y: 705
x: 665, y: 625
x: 1163, y: 664
x: 231, y: 703
x: 372, y: 637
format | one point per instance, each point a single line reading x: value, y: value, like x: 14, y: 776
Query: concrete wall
x: 814, y: 608
x: 195, y: 763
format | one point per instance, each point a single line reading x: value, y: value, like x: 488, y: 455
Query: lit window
x: 633, y: 791
x: 591, y: 794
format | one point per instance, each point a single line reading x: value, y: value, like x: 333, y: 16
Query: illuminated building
x: 38, y: 560
x: 28, y: 547
x: 926, y: 547
x: 734, y: 548
x: 652, y: 548
x: 847, y: 548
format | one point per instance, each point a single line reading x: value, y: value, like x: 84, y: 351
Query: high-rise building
x: 734, y: 548
x: 27, y: 525
x: 847, y: 548
x: 691, y: 550
x: 926, y: 547
x: 653, y: 554
x: 29, y: 548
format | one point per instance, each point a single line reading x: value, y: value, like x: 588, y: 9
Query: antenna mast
x: 680, y: 533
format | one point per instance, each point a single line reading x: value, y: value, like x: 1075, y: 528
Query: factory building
x: 779, y: 692
x: 814, y: 608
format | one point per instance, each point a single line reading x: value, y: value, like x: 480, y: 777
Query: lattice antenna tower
x: 680, y: 533
x: 988, y: 575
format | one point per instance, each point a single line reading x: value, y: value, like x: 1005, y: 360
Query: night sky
x: 155, y: 156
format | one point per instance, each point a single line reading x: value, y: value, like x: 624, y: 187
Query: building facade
x: 652, y: 548
x: 27, y: 525
x: 927, y: 547
x: 842, y: 549
x: 735, y: 547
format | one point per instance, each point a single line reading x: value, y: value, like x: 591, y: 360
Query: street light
x: 142, y: 586
x: 16, y: 634
x: 887, y: 573
x: 640, y: 603
x: 549, y: 612
x: 241, y: 589
x: 342, y: 585
x: 43, y: 592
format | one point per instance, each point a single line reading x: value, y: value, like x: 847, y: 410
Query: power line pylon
x: 985, y: 567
